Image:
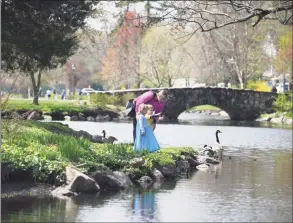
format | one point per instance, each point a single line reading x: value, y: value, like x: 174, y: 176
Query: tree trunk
x: 242, y: 80
x: 170, y: 84
x: 36, y: 86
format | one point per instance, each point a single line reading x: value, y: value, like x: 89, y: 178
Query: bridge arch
x: 206, y: 109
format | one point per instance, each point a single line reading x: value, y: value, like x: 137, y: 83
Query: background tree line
x: 212, y: 41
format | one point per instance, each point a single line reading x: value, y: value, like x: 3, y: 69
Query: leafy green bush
x: 125, y: 98
x: 100, y: 100
x: 42, y: 162
x: 283, y: 103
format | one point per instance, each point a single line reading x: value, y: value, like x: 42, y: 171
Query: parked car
x: 87, y: 90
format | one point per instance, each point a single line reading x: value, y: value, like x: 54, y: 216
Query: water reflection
x: 255, y: 185
x: 203, y: 119
x: 144, y: 206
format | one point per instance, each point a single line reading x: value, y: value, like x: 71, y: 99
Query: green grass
x: 39, y: 149
x: 44, y: 105
x: 55, y: 106
x: 205, y: 108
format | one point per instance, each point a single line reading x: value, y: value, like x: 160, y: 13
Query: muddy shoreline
x: 25, y: 188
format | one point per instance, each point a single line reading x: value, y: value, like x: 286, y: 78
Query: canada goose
x: 97, y: 139
x: 213, y: 151
x: 208, y: 151
x: 218, y: 146
x: 110, y: 139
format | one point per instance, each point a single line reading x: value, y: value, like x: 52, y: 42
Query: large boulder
x: 157, y: 175
x: 81, y: 117
x: 90, y: 119
x: 84, y: 184
x: 182, y: 166
x: 145, y: 181
x: 107, y: 179
x: 192, y: 162
x: 74, y: 118
x: 15, y: 115
x: 25, y: 115
x: 67, y: 118
x: 289, y: 121
x: 34, y: 116
x: 168, y: 171
x: 123, y: 178
x: 99, y: 118
x: 277, y: 120
x: 83, y: 134
x: 107, y: 118
x: 79, y: 182
x: 137, y: 162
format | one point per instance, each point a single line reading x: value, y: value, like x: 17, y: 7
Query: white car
x: 87, y: 90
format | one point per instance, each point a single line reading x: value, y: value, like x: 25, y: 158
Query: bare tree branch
x: 210, y: 15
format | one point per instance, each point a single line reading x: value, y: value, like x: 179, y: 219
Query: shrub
x: 283, y: 102
x: 258, y: 86
x: 100, y: 100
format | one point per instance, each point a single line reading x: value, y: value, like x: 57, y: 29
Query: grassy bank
x: 58, y: 106
x: 46, y: 106
x: 205, y: 108
x: 37, y: 150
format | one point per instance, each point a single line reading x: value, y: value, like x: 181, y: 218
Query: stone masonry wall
x: 238, y: 103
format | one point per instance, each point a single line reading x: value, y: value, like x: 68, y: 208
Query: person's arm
x: 140, y: 121
x: 145, y: 97
x: 159, y: 110
x: 155, y: 115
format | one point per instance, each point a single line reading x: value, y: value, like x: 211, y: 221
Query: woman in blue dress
x: 145, y: 138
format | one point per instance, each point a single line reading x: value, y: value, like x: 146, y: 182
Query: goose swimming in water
x: 208, y: 151
x: 213, y: 151
x: 218, y: 145
x: 110, y: 139
x: 218, y: 148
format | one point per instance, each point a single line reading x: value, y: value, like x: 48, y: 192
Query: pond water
x: 255, y: 185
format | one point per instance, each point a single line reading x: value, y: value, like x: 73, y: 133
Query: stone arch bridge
x: 240, y: 104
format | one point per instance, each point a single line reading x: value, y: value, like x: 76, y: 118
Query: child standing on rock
x: 145, y: 138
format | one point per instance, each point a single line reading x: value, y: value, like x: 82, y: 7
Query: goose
x: 208, y: 151
x: 218, y: 146
x: 110, y: 139
x: 97, y: 139
x: 213, y: 151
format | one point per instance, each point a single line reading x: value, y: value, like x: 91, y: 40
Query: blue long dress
x: 148, y: 140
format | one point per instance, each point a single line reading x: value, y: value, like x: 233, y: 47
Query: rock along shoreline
x: 105, y: 179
